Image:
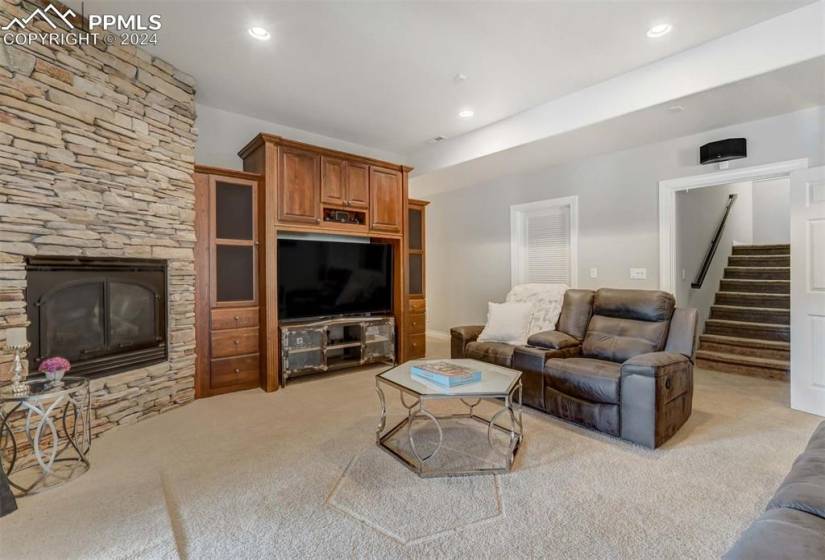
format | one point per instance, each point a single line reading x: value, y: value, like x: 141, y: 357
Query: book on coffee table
x: 445, y: 373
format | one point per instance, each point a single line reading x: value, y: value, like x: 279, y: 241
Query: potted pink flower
x: 54, y: 368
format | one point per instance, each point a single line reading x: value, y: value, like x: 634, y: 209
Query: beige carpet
x: 296, y: 474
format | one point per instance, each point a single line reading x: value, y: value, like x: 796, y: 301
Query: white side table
x: 45, y: 434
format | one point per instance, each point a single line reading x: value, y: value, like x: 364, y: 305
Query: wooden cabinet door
x: 333, y: 181
x: 358, y: 185
x: 385, y: 200
x: 299, y: 186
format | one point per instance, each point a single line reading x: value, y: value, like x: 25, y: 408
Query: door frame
x: 667, y: 205
x: 517, y: 215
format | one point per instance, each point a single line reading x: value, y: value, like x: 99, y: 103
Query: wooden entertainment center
x: 291, y: 187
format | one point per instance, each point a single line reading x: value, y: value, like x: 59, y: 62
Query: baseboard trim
x: 438, y: 335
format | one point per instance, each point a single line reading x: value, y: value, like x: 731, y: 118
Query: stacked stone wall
x: 97, y: 149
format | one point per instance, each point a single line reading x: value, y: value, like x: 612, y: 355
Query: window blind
x: 548, y: 245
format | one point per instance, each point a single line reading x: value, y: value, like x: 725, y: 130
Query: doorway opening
x: 807, y: 209
x: 733, y: 265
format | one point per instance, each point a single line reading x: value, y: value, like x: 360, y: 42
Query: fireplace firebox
x: 103, y: 315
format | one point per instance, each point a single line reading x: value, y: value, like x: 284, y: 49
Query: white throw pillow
x: 546, y: 300
x: 507, y: 322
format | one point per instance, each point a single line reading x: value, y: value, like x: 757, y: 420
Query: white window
x: 543, y: 241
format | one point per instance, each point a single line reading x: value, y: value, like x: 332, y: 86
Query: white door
x: 808, y: 290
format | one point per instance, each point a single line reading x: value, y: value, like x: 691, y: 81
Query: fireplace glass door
x: 102, y: 315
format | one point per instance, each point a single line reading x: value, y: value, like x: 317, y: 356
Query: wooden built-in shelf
x: 290, y: 187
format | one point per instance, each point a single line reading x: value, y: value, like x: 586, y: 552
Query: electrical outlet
x: 594, y: 272
x: 638, y: 274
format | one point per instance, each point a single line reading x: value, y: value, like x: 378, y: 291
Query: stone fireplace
x: 96, y: 161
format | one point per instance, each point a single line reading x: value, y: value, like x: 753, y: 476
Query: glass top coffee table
x: 435, y: 439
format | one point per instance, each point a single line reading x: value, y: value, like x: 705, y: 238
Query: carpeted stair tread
x: 747, y: 360
x: 753, y: 299
x: 748, y: 342
x: 761, y: 249
x: 749, y: 324
x: 746, y: 329
x: 743, y: 365
x: 755, y: 286
x: 751, y: 314
x: 757, y: 273
x: 738, y: 346
x: 759, y: 260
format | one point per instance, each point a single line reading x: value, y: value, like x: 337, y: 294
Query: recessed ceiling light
x: 466, y: 113
x: 437, y: 139
x: 676, y: 108
x: 259, y: 33
x: 659, y: 30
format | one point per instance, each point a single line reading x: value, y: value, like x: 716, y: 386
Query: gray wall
x: 469, y: 229
x: 698, y: 214
x: 772, y: 211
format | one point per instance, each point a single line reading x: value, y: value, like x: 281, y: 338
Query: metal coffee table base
x: 510, y: 408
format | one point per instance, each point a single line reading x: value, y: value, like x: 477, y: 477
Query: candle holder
x: 18, y: 387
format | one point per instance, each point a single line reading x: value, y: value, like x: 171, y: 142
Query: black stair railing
x: 714, y: 244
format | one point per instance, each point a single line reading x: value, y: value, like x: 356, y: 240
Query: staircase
x: 748, y: 331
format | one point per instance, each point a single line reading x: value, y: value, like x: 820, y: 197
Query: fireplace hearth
x: 103, y: 315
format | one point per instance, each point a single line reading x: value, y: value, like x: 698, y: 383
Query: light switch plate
x: 638, y: 274
x: 594, y: 272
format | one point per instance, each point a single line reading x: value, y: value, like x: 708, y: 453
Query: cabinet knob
x: 237, y: 318
x: 237, y: 370
x: 236, y: 342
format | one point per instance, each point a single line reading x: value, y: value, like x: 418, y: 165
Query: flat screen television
x: 332, y: 278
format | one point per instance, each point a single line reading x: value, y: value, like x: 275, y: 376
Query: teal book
x: 445, y: 374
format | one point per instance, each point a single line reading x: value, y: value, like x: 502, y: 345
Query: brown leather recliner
x: 619, y: 361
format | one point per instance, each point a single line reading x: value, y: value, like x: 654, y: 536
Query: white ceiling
x: 782, y: 91
x: 380, y: 74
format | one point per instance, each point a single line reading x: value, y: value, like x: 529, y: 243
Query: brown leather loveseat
x: 619, y: 361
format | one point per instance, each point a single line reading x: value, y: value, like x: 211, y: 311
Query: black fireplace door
x: 100, y: 320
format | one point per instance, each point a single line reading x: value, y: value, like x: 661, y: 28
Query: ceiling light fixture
x: 259, y: 33
x: 466, y: 113
x: 676, y: 108
x: 659, y: 30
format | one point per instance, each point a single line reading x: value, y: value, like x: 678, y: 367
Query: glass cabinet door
x: 416, y: 242
x: 234, y: 235
x: 233, y: 211
x: 416, y: 252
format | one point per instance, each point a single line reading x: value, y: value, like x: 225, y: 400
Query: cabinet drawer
x: 235, y: 342
x: 416, y: 347
x: 234, y: 318
x: 418, y: 305
x: 417, y: 323
x: 234, y: 371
